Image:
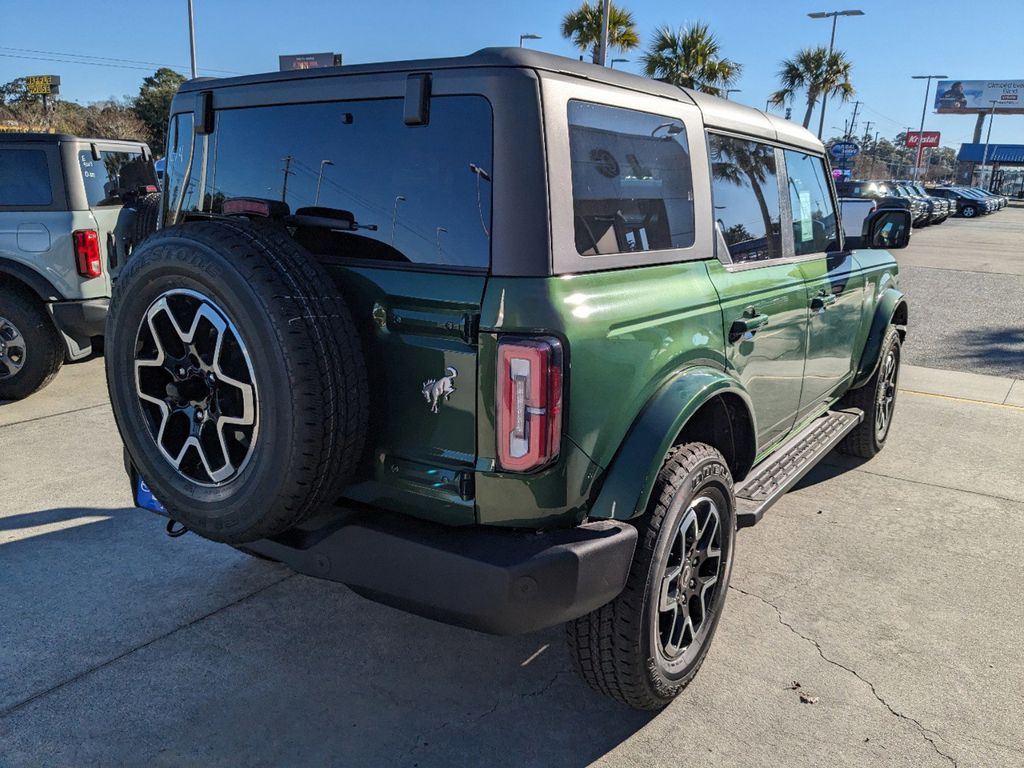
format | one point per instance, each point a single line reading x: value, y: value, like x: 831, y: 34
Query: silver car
x: 71, y: 210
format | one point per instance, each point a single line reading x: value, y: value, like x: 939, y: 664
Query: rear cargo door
x: 419, y: 332
x: 397, y: 206
x: 110, y: 172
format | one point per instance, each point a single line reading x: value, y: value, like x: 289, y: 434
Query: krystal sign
x: 922, y: 139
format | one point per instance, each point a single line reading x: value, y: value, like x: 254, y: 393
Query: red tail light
x: 529, y: 402
x: 87, y: 252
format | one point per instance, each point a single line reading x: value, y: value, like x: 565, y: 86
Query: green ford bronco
x: 505, y: 340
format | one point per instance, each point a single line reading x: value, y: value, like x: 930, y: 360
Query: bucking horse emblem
x: 436, y: 389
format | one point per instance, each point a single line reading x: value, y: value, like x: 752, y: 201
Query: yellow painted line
x: 963, y: 399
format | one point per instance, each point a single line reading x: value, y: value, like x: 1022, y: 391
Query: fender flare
x: 891, y: 302
x: 39, y: 285
x: 629, y: 481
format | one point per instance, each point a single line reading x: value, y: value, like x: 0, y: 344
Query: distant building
x: 1004, y: 167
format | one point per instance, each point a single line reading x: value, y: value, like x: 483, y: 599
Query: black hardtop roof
x: 57, y: 138
x: 718, y: 113
x: 486, y: 57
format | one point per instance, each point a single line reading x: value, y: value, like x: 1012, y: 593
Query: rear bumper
x: 496, y: 580
x: 79, y: 322
x: 499, y: 581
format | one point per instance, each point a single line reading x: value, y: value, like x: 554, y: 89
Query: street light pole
x: 602, y: 50
x: 394, y: 217
x: 617, y: 61
x: 319, y: 180
x: 988, y: 137
x: 834, y: 15
x: 732, y: 90
x: 924, y: 110
x: 192, y: 38
x: 528, y: 36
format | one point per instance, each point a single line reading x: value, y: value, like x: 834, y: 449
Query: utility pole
x: 192, y: 39
x: 867, y: 130
x: 924, y: 109
x: 834, y: 15
x: 853, y: 120
x: 287, y: 172
x: 602, y: 50
x: 906, y: 147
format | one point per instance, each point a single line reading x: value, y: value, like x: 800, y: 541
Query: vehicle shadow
x: 184, y: 651
x: 998, y: 351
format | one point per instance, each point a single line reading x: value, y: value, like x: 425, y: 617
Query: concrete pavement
x: 889, y: 590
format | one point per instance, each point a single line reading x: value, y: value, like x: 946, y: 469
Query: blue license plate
x: 144, y: 498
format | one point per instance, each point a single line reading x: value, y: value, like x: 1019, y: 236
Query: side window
x: 24, y: 178
x: 745, y: 192
x: 632, y: 188
x: 359, y: 182
x: 814, y: 214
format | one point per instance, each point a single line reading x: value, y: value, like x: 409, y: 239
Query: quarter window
x: 745, y: 189
x: 360, y: 183
x: 24, y: 178
x: 814, y: 214
x: 632, y: 188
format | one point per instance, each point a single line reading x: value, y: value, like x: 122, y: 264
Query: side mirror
x: 887, y: 228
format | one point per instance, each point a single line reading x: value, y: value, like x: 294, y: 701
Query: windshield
x: 114, y: 174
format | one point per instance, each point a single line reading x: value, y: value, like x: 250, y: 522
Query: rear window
x: 419, y: 194
x: 24, y: 178
x: 632, y: 188
x: 745, y: 191
x: 115, y: 173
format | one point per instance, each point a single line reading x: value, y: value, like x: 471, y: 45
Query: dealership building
x: 1003, y: 165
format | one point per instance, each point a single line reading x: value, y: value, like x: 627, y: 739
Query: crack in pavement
x: 51, y: 415
x: 925, y: 732
x: 103, y: 664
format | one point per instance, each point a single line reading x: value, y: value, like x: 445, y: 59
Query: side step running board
x: 769, y: 480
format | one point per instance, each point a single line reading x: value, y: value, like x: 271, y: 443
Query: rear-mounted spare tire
x: 236, y: 378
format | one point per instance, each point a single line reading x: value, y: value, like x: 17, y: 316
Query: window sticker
x: 806, y: 222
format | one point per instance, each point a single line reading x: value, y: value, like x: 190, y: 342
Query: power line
x: 81, y: 58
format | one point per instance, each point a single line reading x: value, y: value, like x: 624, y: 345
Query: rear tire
x: 877, y: 399
x: 31, y: 349
x: 634, y: 649
x: 255, y: 416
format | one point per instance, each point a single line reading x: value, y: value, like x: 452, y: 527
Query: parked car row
x: 970, y: 201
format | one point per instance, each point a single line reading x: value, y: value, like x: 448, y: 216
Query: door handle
x: 747, y: 325
x: 824, y: 299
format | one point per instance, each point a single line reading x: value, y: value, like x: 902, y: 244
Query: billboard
x: 43, y: 85
x: 308, y: 61
x: 922, y: 138
x: 968, y: 97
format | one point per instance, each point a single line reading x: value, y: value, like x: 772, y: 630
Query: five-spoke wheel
x: 195, y: 382
x: 12, y: 349
x: 689, y: 579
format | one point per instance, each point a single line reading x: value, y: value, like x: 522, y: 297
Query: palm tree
x: 690, y: 58
x: 816, y: 71
x: 583, y: 27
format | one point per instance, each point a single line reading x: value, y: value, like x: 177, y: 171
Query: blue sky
x: 891, y: 42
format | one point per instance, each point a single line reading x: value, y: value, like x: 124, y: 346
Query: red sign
x: 927, y: 139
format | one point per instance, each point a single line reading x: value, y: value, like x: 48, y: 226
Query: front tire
x: 877, y: 399
x: 31, y: 350
x: 969, y: 212
x: 645, y: 646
